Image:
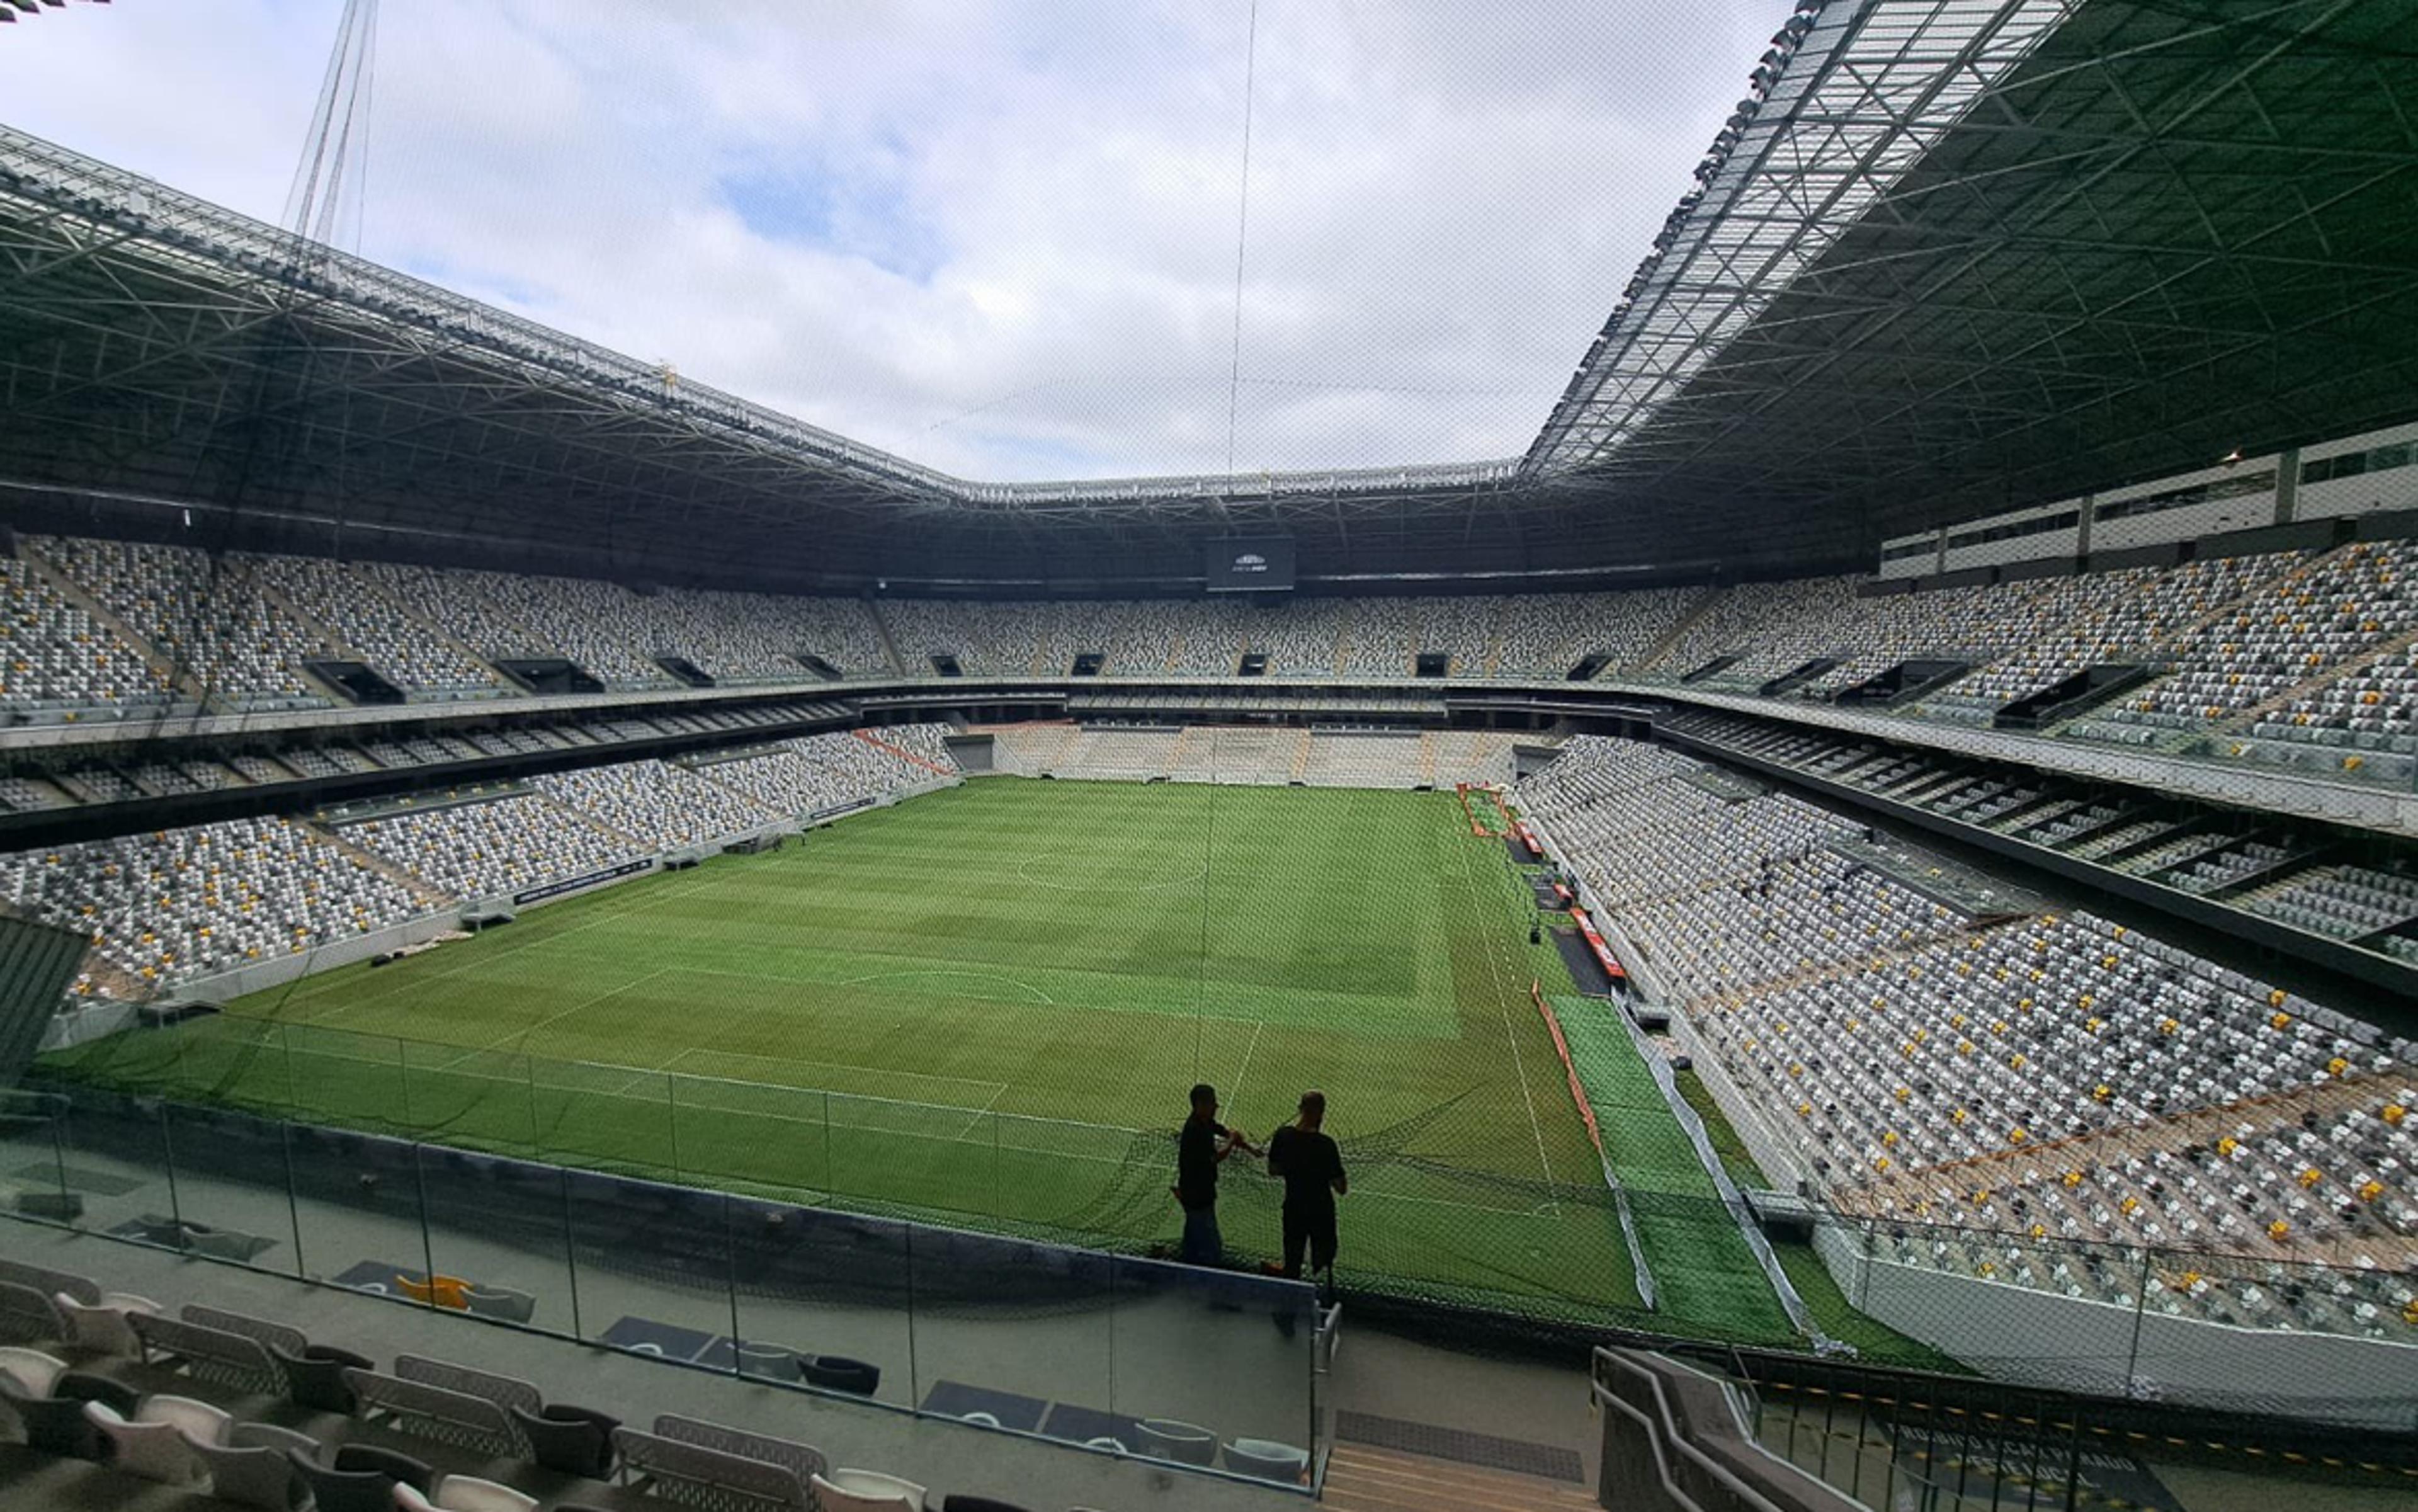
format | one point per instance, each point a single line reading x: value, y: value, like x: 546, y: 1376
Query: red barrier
x: 1461, y: 791
x: 1611, y: 963
x: 901, y: 752
x: 1562, y: 1048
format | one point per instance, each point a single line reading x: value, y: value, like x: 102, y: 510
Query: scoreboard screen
x: 1252, y: 564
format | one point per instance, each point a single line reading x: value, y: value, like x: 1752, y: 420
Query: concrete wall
x: 2369, y: 493
x: 2065, y: 540
x: 2044, y: 1338
x: 260, y: 975
x: 74, y: 1026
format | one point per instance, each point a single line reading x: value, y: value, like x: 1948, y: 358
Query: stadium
x: 1852, y: 891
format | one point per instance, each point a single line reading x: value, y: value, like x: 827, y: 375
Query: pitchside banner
x: 1250, y: 564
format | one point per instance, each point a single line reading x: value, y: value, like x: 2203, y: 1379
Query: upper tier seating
x: 55, y: 660
x: 403, y: 650
x: 758, y: 637
x: 2124, y: 615
x: 602, y: 627
x: 212, y: 619
x: 2302, y: 659
x: 1739, y: 620
x: 2297, y: 626
x: 1546, y: 634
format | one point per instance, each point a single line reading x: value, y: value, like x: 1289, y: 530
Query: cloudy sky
x: 997, y: 237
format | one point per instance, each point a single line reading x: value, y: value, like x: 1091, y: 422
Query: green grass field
x: 985, y: 1006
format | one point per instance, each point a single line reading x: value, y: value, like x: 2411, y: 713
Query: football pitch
x: 985, y: 1007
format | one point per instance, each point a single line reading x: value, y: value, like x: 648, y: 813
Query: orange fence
x: 1476, y: 825
x: 1562, y: 1048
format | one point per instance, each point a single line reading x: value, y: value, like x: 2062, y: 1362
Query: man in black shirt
x: 1204, y: 1145
x: 1311, y: 1169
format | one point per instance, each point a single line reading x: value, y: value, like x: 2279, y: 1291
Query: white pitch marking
x: 552, y: 1018
x: 1518, y: 1064
x: 978, y: 976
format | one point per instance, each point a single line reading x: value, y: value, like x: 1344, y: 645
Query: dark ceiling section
x: 2175, y: 229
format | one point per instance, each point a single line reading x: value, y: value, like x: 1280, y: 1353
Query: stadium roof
x: 1952, y: 256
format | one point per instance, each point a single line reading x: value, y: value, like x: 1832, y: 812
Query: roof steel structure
x: 1993, y: 252
x: 1949, y: 255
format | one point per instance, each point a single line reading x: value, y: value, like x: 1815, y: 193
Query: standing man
x: 1199, y: 1150
x: 1312, y: 1167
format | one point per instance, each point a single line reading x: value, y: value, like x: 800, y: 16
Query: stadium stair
x: 1300, y: 757
x: 900, y: 751
x: 1184, y: 764
x: 1671, y: 636
x: 69, y: 589
x: 577, y: 816
x: 433, y: 896
x: 2393, y: 648
x: 396, y: 605
x: 332, y: 645
x: 889, y: 644
x: 1890, y: 1196
x: 1364, y: 1479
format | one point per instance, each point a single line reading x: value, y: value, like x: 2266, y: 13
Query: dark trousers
x: 1310, y: 1229
x: 1202, y: 1243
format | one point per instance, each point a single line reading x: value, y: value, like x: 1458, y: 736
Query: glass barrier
x: 1209, y: 1369
x: 357, y: 1216
x: 33, y: 1155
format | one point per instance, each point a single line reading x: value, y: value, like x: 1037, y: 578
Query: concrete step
x: 1364, y: 1479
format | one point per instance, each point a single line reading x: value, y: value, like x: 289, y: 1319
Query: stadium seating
x: 490, y: 845
x: 822, y: 772
x: 57, y: 662
x: 1746, y: 618
x: 756, y: 638
x: 178, y: 903
x: 403, y: 650
x: 602, y: 627
x: 426, y: 1431
x: 2053, y: 1077
x: 2302, y: 659
x: 658, y: 805
x: 213, y: 619
x: 1253, y: 755
x: 174, y: 904
x: 2299, y: 625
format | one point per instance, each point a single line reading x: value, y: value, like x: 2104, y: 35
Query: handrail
x: 1663, y: 1429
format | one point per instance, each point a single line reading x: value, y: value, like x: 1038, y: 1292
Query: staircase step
x: 1362, y: 1479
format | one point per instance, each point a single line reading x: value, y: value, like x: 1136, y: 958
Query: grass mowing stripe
x: 1519, y: 1066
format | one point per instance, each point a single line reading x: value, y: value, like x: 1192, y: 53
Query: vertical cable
x: 1200, y: 970
x: 1242, y: 231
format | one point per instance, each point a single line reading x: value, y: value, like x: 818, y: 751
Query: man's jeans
x: 1202, y: 1243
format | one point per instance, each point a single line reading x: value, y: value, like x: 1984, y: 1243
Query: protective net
x: 986, y: 1006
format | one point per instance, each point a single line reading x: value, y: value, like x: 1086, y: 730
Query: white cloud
x: 997, y: 237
